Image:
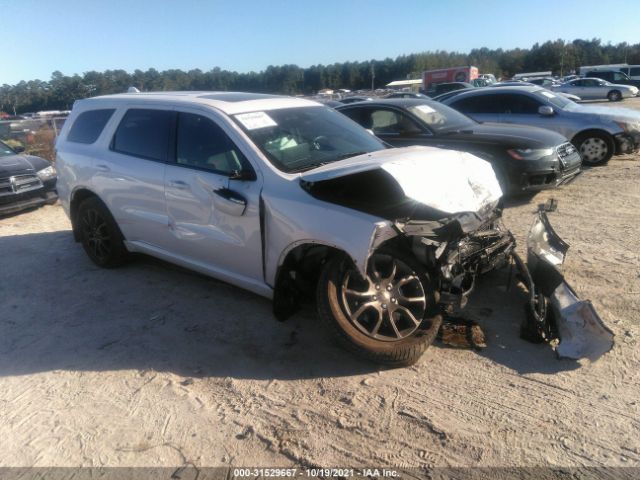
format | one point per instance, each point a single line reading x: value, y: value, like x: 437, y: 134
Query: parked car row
x: 294, y: 201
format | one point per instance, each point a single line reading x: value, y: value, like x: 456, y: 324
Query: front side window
x: 302, y: 138
x: 89, y: 125
x: 513, y: 103
x: 203, y: 144
x: 145, y: 133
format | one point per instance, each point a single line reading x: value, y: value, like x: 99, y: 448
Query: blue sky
x: 75, y: 36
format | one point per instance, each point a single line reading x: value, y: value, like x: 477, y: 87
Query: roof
x: 400, y: 83
x: 228, y: 102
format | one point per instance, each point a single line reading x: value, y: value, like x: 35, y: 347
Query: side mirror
x: 545, y: 111
x: 18, y: 149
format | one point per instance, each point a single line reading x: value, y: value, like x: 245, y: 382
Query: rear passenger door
x: 130, y: 178
x: 213, y: 208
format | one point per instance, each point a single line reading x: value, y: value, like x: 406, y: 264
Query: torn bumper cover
x: 555, y: 311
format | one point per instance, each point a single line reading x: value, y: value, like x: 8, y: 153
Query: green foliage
x: 561, y: 57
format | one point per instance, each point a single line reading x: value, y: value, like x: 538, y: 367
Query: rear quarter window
x: 89, y: 125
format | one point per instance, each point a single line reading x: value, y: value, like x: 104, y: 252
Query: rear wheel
x: 614, y: 96
x: 596, y: 148
x: 99, y: 234
x: 389, y: 317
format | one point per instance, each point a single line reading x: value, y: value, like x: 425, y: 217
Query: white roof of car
x: 228, y: 102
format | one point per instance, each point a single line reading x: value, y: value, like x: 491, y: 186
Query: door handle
x: 102, y: 168
x: 230, y: 202
x: 178, y: 184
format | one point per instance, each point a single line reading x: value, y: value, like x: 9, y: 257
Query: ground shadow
x: 60, y: 312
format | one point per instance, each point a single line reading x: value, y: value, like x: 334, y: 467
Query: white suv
x: 289, y: 199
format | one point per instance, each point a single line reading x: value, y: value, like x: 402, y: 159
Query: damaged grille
x: 19, y: 184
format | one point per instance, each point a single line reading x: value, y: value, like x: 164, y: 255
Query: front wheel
x: 614, y: 96
x: 596, y: 148
x: 389, y: 317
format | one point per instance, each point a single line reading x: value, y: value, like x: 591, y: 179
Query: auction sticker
x: 548, y: 94
x: 256, y: 120
x: 425, y: 108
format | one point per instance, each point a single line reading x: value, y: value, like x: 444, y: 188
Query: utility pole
x: 373, y: 75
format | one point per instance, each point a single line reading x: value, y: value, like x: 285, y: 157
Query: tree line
x: 558, y: 56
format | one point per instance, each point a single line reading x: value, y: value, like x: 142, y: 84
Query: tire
x: 371, y: 334
x: 99, y: 234
x: 596, y: 148
x: 614, y: 96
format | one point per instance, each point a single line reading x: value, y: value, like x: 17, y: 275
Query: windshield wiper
x: 311, y: 166
x: 349, y: 155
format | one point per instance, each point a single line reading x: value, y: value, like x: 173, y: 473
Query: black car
x: 25, y: 181
x: 525, y: 159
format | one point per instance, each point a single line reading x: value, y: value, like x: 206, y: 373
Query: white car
x: 286, y: 198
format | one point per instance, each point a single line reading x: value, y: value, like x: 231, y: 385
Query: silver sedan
x: 596, y: 89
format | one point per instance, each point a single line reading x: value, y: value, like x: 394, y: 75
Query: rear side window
x: 89, y: 125
x: 145, y: 133
x: 634, y: 72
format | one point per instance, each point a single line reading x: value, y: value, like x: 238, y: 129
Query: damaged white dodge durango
x: 291, y: 199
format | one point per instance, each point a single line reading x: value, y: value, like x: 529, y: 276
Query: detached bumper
x: 556, y: 312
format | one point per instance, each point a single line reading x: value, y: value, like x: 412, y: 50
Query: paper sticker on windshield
x: 255, y: 120
x: 425, y: 108
x: 548, y: 94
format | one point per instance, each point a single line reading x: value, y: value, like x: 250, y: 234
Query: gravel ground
x: 151, y: 365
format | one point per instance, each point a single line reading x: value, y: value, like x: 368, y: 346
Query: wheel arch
x: 590, y: 131
x: 78, y: 196
x: 298, y: 271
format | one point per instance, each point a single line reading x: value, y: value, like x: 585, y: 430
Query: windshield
x: 299, y: 139
x: 440, y: 118
x: 5, y: 150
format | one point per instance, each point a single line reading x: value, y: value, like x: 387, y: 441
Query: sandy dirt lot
x: 150, y: 365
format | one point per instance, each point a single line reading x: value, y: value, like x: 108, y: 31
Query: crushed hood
x: 445, y: 180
